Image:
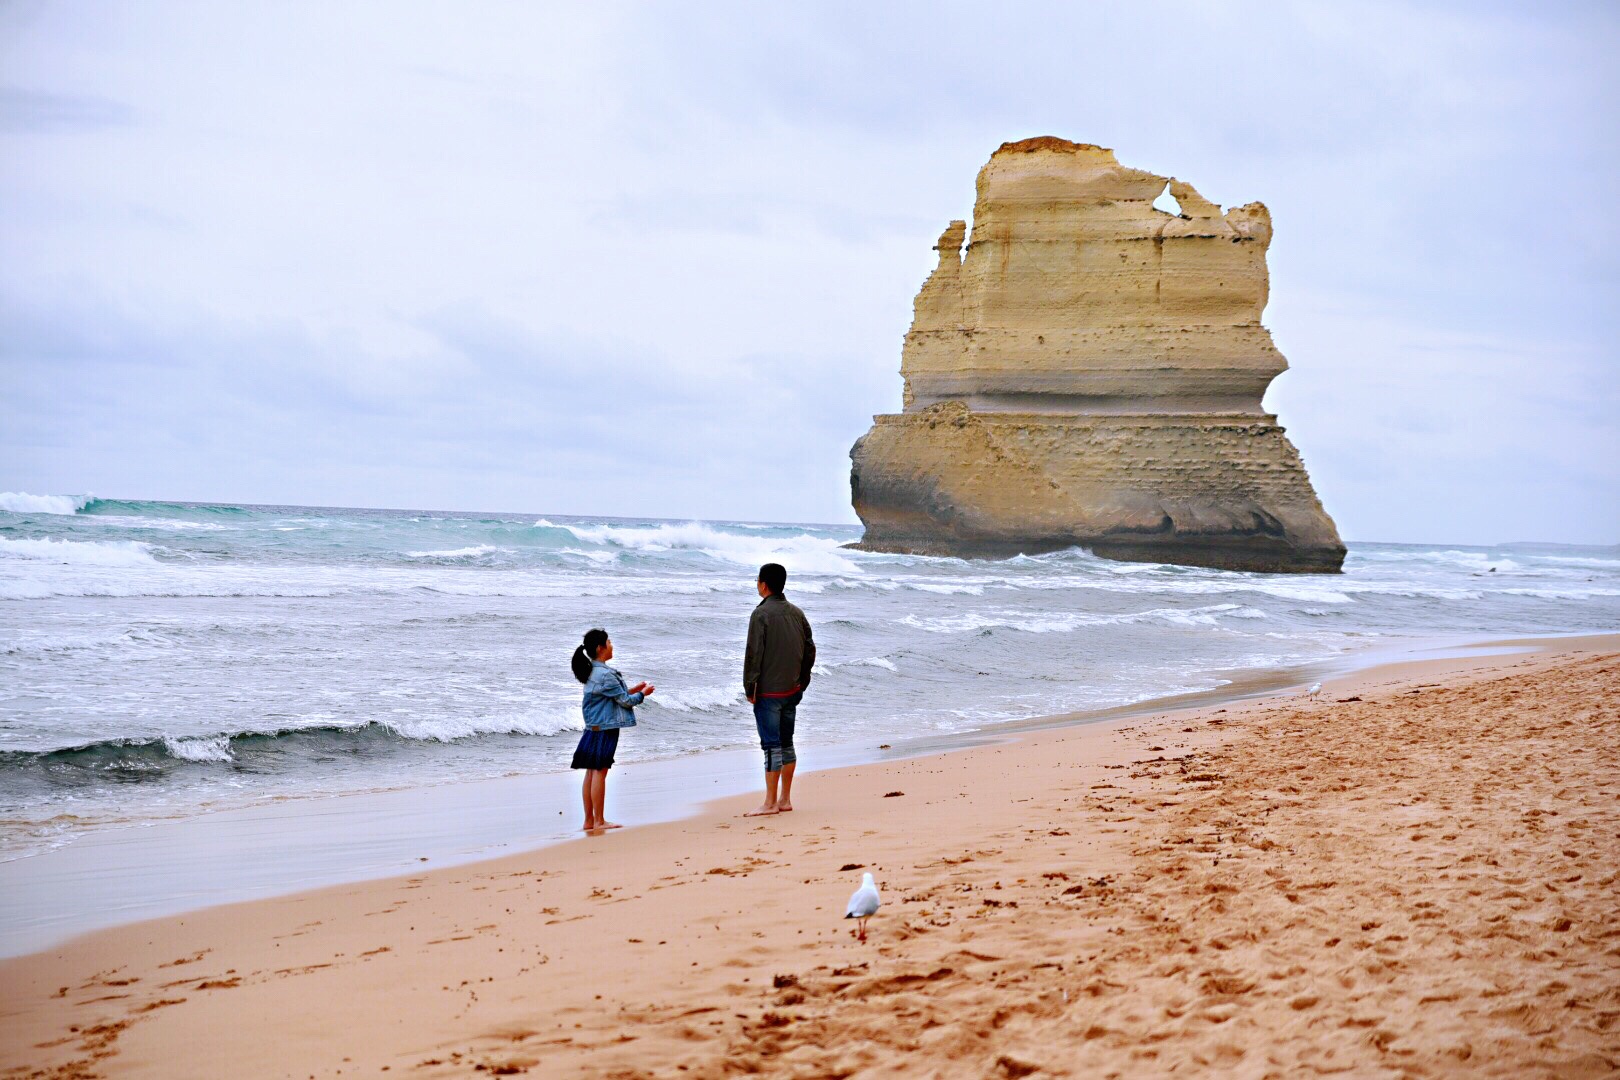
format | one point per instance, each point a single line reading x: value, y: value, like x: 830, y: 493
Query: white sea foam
x: 165, y: 581
x: 1033, y: 623
x: 1067, y: 622
x: 945, y: 589
x: 211, y: 748
x: 79, y: 552
x: 36, y: 569
x: 801, y: 553
x: 1200, y: 616
x: 969, y: 587
x: 451, y: 728
x: 1570, y: 593
x: 20, y: 502
x: 865, y: 661
x: 129, y: 521
x: 37, y: 644
x: 1305, y: 591
x: 881, y: 584
x: 1180, y: 583
x: 696, y: 698
x: 39, y: 589
x: 1482, y: 561
x: 601, y: 558
x: 1577, y: 560
x: 458, y: 553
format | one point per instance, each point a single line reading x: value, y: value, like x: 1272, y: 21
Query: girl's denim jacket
x: 608, y: 703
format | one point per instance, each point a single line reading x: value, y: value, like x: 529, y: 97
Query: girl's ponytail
x: 586, y: 652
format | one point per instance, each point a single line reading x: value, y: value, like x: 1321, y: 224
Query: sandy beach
x: 1411, y: 873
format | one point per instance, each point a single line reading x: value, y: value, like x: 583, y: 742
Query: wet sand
x: 1415, y: 872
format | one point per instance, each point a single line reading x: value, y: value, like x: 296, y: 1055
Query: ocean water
x: 158, y: 660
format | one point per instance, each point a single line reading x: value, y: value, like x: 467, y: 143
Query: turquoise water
x: 161, y: 659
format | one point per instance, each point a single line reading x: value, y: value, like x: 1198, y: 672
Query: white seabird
x: 1316, y: 688
x: 864, y: 904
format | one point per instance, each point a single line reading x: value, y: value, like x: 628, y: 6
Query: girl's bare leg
x: 599, y: 791
x: 589, y: 798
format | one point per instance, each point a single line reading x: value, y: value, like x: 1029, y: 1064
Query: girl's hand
x: 647, y: 689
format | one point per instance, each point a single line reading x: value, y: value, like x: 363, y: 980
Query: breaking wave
x: 79, y: 552
x: 799, y: 552
x: 20, y: 502
x: 163, y: 752
x: 696, y: 698
x: 453, y: 554
x: 217, y: 748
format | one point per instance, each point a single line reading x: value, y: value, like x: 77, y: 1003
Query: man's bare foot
x: 784, y: 808
x: 609, y: 825
x: 763, y: 811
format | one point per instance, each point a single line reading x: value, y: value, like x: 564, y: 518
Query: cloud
x: 1452, y: 437
x: 32, y: 112
x: 403, y: 254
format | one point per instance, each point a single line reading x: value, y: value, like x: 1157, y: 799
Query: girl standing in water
x: 608, y: 705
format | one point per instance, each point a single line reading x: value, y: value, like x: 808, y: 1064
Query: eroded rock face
x: 1090, y: 372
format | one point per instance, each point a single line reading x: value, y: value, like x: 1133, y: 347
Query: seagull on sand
x: 1316, y: 688
x: 864, y: 904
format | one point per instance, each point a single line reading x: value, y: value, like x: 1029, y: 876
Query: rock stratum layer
x: 1090, y: 372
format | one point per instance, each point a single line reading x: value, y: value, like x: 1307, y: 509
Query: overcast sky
x: 657, y: 260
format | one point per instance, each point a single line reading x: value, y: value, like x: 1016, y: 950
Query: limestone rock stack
x: 1090, y: 372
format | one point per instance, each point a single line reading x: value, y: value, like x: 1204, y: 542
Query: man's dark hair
x: 774, y: 575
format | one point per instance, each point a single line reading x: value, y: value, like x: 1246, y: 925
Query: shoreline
x: 1112, y: 892
x: 122, y: 875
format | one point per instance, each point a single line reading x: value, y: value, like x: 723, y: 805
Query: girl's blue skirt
x: 595, y: 750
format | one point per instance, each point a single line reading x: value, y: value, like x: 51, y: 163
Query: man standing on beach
x: 776, y: 670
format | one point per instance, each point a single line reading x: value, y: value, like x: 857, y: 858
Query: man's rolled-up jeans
x: 774, y: 717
